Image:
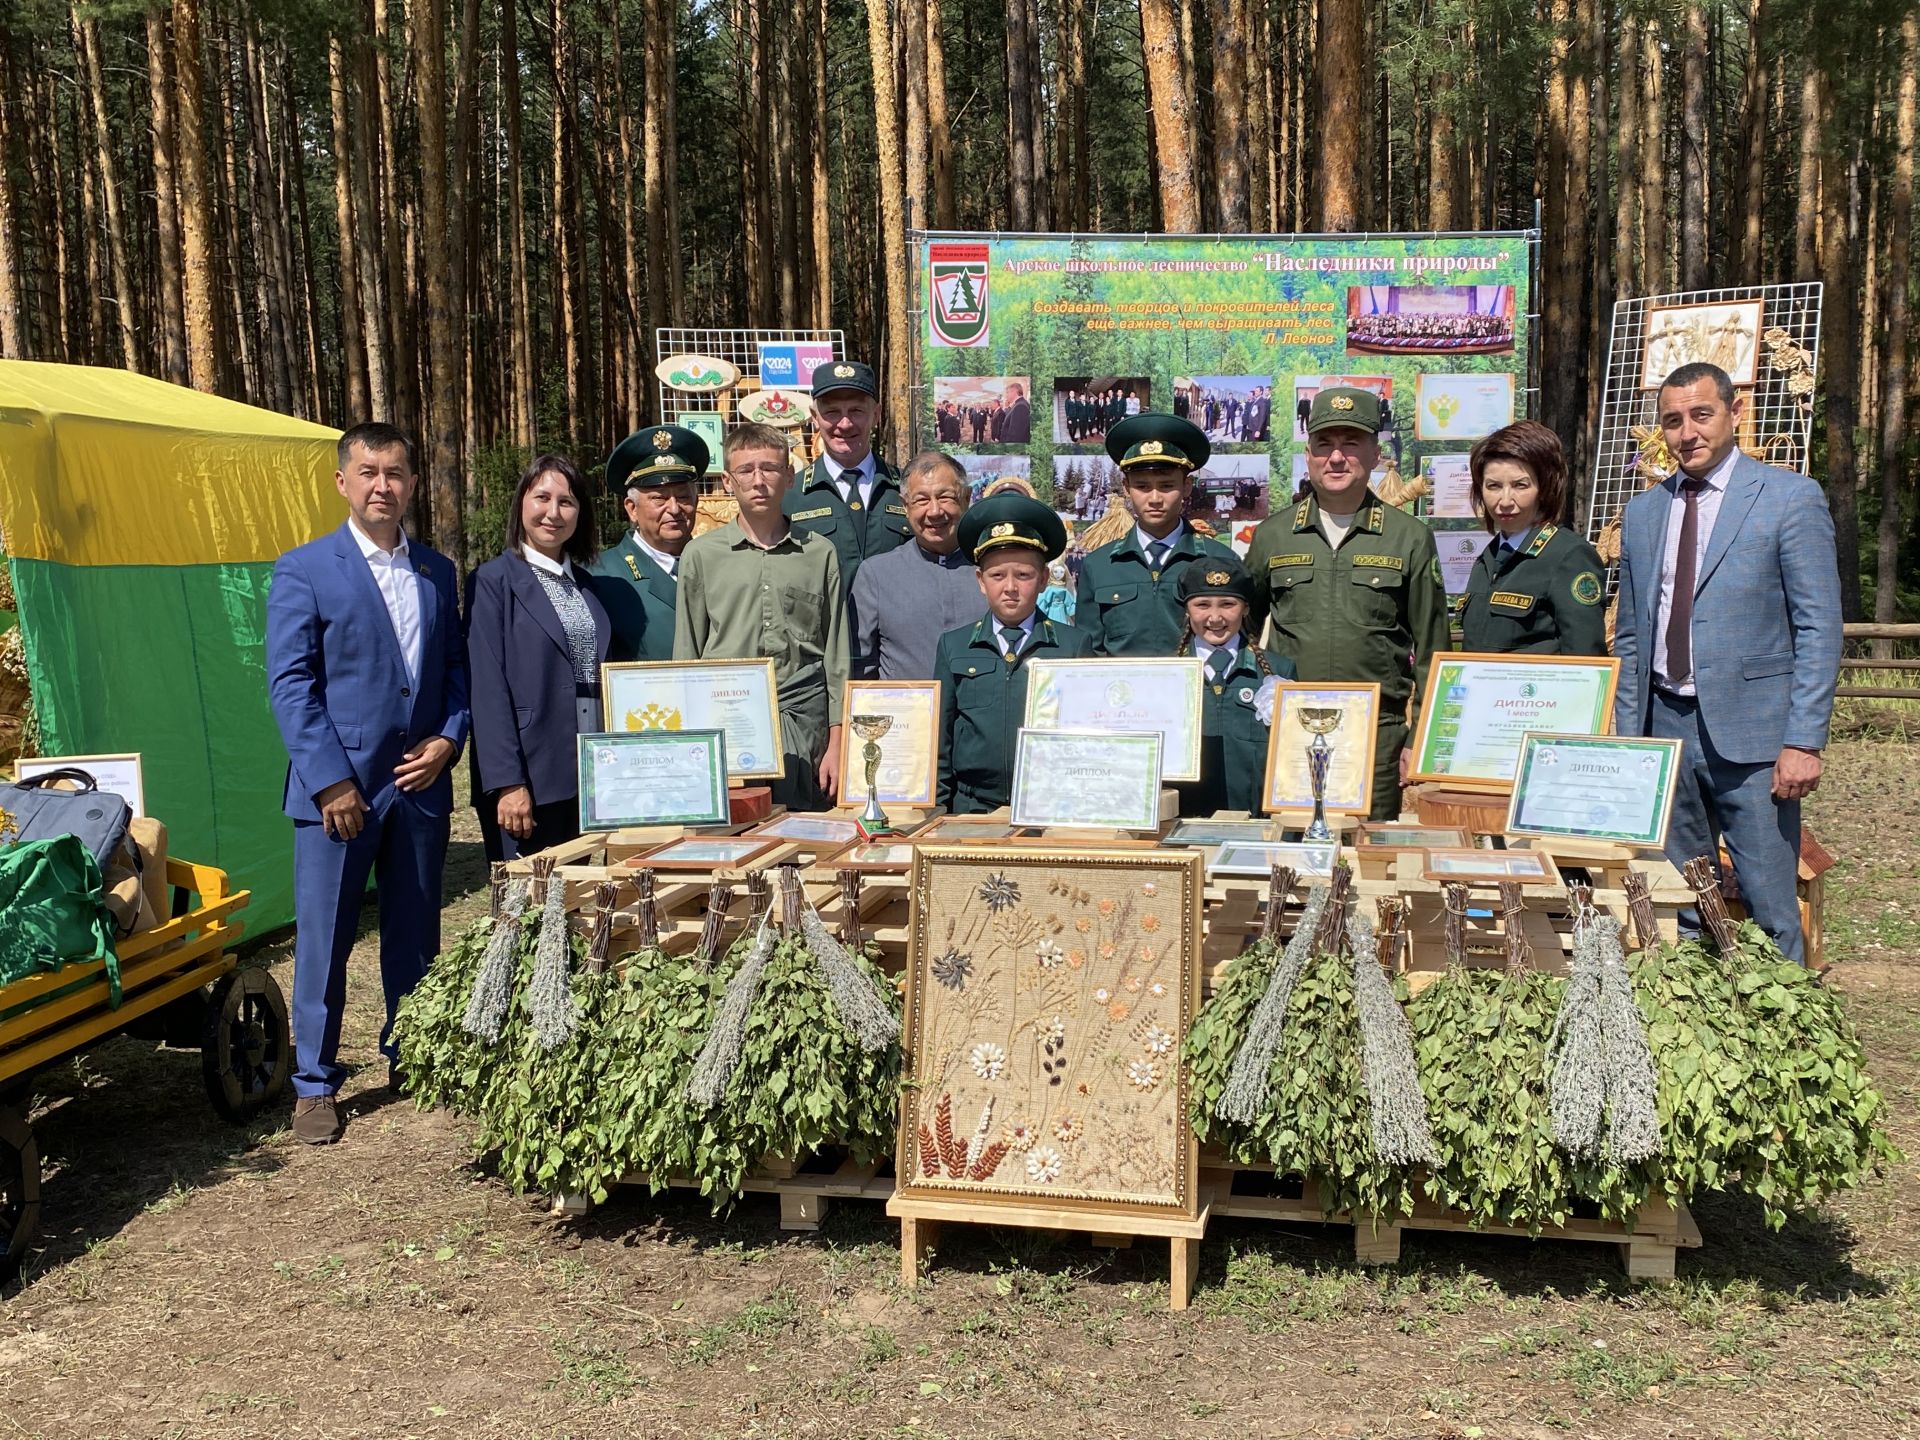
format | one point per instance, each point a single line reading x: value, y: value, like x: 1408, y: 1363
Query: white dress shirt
x: 1203, y: 652
x: 1709, y: 511
x: 563, y: 566
x: 1170, y: 539
x: 1025, y: 629
x: 659, y: 557
x: 861, y: 475
x: 400, y: 589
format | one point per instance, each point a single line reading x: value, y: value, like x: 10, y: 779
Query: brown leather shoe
x: 316, y: 1120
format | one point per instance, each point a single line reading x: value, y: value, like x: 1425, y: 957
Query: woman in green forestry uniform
x: 1538, y: 588
x: 1218, y: 598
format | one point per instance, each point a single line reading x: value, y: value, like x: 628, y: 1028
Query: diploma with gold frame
x: 1131, y: 695
x: 739, y: 697
x: 1593, y: 787
x: 1475, y: 708
x: 1349, y: 785
x: 909, y: 751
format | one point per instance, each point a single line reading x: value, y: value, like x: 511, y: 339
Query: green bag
x: 52, y: 912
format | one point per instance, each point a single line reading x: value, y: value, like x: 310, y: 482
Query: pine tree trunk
x: 199, y: 294
x: 569, y: 264
x: 444, y: 483
x: 1037, y: 120
x: 1806, y: 229
x: 520, y: 320
x: 915, y: 159
x: 1230, y: 158
x: 1341, y: 105
x: 1653, y: 166
x: 785, y: 191
x: 271, y: 282
x: 13, y: 326
x: 1176, y: 182
x: 404, y: 369
x: 315, y: 377
x: 633, y: 388
x: 1060, y: 162
x: 1695, y: 101
x: 126, y: 323
x: 939, y: 128
x: 358, y: 397
x: 1441, y: 147
x: 1840, y: 352
x: 1893, y: 405
x: 1628, y: 140
x: 1019, y: 119
x: 1743, y: 231
x: 49, y: 181
x: 822, y: 218
x: 893, y: 229
x: 93, y: 276
x: 379, y: 314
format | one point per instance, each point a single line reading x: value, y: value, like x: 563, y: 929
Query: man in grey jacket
x: 906, y: 599
x: 1728, y: 635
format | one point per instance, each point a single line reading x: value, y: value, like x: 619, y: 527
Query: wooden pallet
x: 806, y: 1191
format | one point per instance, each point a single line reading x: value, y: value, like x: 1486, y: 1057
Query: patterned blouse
x: 575, y: 618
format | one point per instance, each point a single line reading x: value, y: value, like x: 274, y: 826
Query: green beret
x: 658, y: 455
x: 1151, y: 439
x: 1347, y: 407
x: 845, y: 375
x: 1212, y: 575
x: 1011, y: 518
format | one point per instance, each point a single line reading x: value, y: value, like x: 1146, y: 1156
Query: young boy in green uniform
x: 1128, y: 601
x: 982, y: 667
x: 1218, y: 599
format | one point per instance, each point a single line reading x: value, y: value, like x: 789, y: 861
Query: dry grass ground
x: 198, y: 1281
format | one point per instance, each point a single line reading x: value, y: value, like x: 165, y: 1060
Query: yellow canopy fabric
x: 105, y: 467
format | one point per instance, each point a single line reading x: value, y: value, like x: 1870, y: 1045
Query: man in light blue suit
x: 368, y: 676
x: 1728, y: 634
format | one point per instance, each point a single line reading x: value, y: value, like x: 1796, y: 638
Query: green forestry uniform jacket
x: 1546, y: 598
x: 641, y: 609
x: 983, y: 701
x: 815, y: 506
x: 1233, y: 738
x: 1373, y: 610
x: 1125, y: 606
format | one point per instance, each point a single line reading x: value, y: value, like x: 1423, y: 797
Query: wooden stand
x: 920, y: 1222
x: 806, y: 1195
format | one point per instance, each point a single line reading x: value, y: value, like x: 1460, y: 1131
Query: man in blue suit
x: 1728, y: 635
x: 368, y: 678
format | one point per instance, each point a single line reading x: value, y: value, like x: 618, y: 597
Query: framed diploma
x: 112, y: 774
x: 1614, y: 787
x: 1348, y: 715
x: 1090, y: 779
x: 909, y: 748
x: 1474, y: 709
x: 699, y: 853
x: 819, y: 830
x: 874, y: 857
x: 1397, y: 835
x: 1490, y: 867
x: 1256, y: 861
x: 960, y: 830
x: 1201, y: 833
x: 1130, y: 695
x: 653, y: 777
x: 1452, y: 482
x: 1461, y: 406
x: 1459, y: 551
x: 739, y: 697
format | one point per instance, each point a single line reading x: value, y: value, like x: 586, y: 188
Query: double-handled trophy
x: 873, y: 820
x: 1321, y: 721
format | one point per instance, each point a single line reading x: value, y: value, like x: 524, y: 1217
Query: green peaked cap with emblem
x: 845, y: 375
x: 1153, y: 439
x: 658, y: 455
x: 1345, y: 406
x: 1216, y: 575
x: 1011, y: 518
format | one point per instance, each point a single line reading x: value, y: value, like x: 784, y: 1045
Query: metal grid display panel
x: 1778, y: 426
x: 740, y: 349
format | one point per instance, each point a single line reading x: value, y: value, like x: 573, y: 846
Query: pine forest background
x: 471, y: 218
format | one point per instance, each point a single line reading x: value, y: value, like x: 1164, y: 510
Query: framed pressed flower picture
x: 1048, y: 992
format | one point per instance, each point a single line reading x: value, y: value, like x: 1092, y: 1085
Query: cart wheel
x: 245, y: 1051
x: 19, y: 1190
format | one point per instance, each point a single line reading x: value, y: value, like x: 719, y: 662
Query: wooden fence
x: 1890, y: 656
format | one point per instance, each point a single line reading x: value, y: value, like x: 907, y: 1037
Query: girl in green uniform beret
x: 1537, y: 589
x: 1236, y: 693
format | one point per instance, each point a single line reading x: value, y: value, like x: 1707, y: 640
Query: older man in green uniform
x: 657, y: 471
x: 982, y: 667
x: 1129, y: 600
x: 849, y: 497
x: 1352, y: 584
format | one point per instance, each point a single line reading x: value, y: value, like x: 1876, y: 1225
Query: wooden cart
x: 179, y: 985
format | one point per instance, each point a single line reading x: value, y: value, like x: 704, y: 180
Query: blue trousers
x: 405, y: 851
x: 1716, y: 799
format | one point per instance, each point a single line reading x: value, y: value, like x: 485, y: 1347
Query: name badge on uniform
x: 1381, y: 562
x: 1278, y: 560
x: 896, y: 509
x: 1510, y: 600
x: 819, y: 514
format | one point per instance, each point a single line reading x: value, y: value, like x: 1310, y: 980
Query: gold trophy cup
x: 1321, y: 721
x: 870, y: 728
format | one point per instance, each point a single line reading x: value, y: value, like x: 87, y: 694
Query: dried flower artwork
x: 1046, y: 994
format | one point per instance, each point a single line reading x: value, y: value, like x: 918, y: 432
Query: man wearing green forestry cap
x: 1128, y: 602
x: 982, y: 667
x: 656, y: 471
x: 1351, y: 583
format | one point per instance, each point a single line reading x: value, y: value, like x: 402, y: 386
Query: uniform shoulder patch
x: 1587, y: 588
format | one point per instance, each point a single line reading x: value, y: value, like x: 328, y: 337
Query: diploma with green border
x: 653, y: 777
x: 1595, y: 787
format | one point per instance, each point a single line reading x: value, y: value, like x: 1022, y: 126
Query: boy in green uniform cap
x: 849, y: 496
x: 982, y: 667
x: 1352, y: 583
x: 1234, y: 719
x: 657, y: 471
x: 1128, y: 602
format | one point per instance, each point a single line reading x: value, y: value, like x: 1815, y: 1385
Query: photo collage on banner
x: 1033, y: 348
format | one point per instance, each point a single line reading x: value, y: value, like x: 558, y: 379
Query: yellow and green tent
x: 141, y: 522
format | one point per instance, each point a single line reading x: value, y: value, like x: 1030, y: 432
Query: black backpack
x: 40, y: 811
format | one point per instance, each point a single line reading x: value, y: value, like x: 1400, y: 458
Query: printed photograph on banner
x: 957, y: 287
x: 1461, y: 407
x: 984, y: 471
x: 1429, y: 319
x: 1451, y: 494
x: 1726, y: 335
x: 1458, y: 550
x: 1231, y: 488
x: 1231, y: 409
x: 1085, y: 407
x: 1084, y: 486
x: 1242, y: 537
x: 1305, y: 387
x: 983, y: 409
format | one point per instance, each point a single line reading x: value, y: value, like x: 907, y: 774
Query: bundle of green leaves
x: 1216, y: 1036
x: 446, y: 1066
x: 1480, y: 1037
